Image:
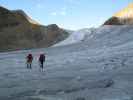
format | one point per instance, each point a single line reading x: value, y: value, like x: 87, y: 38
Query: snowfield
x: 98, y: 68
x: 77, y: 36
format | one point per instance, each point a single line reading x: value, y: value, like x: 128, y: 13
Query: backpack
x: 29, y: 58
x: 42, y: 58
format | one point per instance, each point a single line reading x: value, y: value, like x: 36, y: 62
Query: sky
x: 68, y: 14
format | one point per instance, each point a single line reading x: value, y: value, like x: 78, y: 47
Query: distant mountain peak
x: 126, y: 12
x: 2, y: 8
x: 21, y: 12
x: 123, y: 17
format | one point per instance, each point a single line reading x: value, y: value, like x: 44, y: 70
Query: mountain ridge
x: 19, y: 31
x: 122, y: 17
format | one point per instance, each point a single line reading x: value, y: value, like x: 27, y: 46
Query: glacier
x: 98, y: 68
x: 76, y: 36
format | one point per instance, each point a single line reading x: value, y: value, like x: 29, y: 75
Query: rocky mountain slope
x: 125, y: 16
x: 19, y: 31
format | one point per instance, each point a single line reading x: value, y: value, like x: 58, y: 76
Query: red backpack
x: 29, y: 58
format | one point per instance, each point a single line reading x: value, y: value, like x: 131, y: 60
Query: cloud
x: 40, y: 6
x: 62, y: 12
x: 53, y: 13
x: 75, y: 2
x: 64, y: 8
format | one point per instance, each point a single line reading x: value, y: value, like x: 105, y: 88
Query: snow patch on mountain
x: 76, y: 37
x: 111, y: 35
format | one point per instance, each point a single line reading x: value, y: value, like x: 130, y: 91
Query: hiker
x: 41, y: 60
x: 29, y: 60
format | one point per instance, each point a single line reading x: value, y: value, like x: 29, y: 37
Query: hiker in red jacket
x: 41, y: 60
x: 29, y: 60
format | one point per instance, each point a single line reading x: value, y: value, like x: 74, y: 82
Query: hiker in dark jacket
x: 41, y: 60
x: 29, y: 59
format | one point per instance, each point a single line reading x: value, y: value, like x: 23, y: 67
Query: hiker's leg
x: 27, y: 65
x: 42, y: 65
x: 30, y: 65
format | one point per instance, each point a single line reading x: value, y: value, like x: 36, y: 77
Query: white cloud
x: 39, y: 6
x: 64, y: 8
x: 53, y: 13
x: 63, y: 13
x: 73, y: 1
